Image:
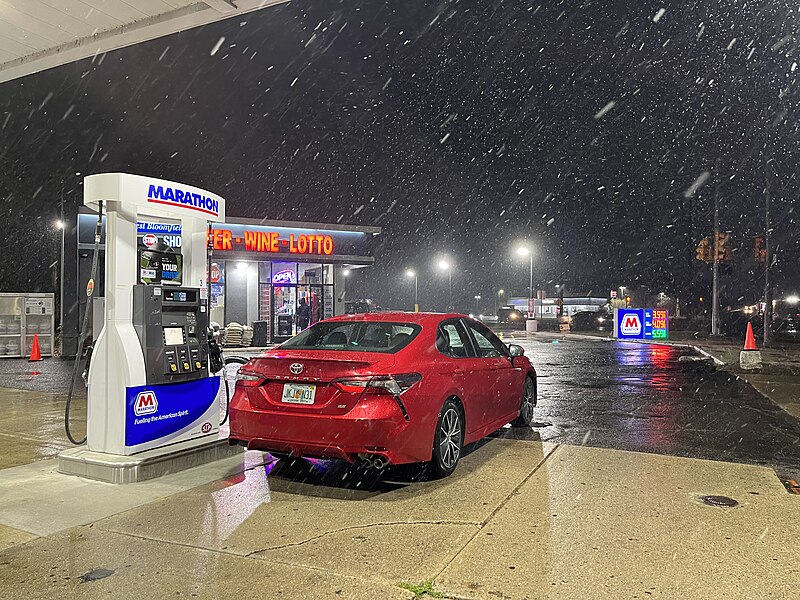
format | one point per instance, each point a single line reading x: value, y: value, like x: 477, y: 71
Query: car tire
x: 527, y: 404
x: 448, y: 440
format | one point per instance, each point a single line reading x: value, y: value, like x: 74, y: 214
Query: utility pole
x: 715, y: 268
x: 768, y: 261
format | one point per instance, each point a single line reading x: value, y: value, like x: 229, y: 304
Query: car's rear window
x: 355, y: 337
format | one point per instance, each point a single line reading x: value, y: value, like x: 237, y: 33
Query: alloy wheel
x: 528, y: 401
x: 450, y: 438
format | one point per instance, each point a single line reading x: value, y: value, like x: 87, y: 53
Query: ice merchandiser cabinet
x: 23, y: 316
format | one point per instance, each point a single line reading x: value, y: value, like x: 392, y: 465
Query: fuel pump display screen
x: 173, y: 336
x: 179, y: 296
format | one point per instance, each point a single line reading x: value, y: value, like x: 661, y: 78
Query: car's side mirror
x: 514, y: 350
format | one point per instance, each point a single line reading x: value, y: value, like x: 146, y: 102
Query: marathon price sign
x: 641, y: 323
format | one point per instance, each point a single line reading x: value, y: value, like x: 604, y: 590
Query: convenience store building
x: 275, y: 276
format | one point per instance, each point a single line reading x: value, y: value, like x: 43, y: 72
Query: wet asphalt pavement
x: 641, y: 397
x: 613, y: 395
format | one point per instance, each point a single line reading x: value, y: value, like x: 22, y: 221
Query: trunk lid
x: 311, y: 389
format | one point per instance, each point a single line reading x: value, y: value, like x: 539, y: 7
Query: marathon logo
x: 631, y: 325
x: 166, y: 195
x: 146, y: 403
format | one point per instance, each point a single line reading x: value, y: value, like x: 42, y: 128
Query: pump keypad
x: 171, y: 323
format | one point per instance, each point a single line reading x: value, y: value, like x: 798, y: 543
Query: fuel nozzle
x: 215, y: 359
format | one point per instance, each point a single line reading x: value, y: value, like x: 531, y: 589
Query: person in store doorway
x: 303, y: 314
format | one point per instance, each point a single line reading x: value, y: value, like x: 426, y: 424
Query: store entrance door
x: 309, y: 305
x: 295, y: 308
x: 284, y: 311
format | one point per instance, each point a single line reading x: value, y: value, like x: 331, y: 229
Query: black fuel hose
x: 84, y: 326
x: 230, y: 360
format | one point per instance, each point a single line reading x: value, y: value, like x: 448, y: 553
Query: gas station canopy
x: 40, y: 34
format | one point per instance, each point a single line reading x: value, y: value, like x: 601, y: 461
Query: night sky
x: 459, y: 127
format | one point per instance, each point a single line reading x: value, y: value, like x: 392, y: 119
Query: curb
x: 717, y: 362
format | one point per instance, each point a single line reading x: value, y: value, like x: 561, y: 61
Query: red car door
x: 502, y: 378
x: 468, y: 372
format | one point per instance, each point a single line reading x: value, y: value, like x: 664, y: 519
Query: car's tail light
x: 392, y: 384
x: 248, y: 378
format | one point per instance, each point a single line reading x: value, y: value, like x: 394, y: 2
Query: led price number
x: 660, y: 324
x: 659, y: 319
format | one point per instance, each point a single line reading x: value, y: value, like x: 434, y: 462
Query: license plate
x: 295, y: 393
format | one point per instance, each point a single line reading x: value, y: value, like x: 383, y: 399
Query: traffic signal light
x: 760, y: 250
x: 723, y: 251
x: 703, y: 251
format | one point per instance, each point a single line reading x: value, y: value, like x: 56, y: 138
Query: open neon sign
x: 286, y: 276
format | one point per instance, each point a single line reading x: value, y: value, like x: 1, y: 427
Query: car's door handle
x: 458, y: 371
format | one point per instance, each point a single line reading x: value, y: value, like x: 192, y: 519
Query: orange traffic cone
x: 749, y: 338
x: 36, y: 352
x: 750, y: 357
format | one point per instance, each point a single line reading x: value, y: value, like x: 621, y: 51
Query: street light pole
x: 525, y: 251
x: 445, y: 265
x: 450, y: 278
x: 61, y: 282
x: 63, y: 226
x: 767, y: 262
x: 477, y: 304
x: 412, y: 273
x: 500, y: 294
x: 531, y: 288
x: 715, y: 267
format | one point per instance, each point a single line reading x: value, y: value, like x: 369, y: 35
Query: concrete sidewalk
x: 518, y: 519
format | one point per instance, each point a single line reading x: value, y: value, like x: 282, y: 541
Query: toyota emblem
x: 296, y: 368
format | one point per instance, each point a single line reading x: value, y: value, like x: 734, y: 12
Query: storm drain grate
x: 722, y: 501
x: 96, y: 575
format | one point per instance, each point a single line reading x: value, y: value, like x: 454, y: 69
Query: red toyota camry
x: 383, y: 388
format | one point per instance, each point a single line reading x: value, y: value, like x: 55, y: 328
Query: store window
x: 310, y: 273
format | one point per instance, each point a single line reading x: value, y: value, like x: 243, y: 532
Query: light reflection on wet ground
x: 640, y: 397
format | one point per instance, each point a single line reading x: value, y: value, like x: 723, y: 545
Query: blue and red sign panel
x: 170, y: 412
x: 641, y: 323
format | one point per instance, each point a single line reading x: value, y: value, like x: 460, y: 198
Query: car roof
x: 420, y: 318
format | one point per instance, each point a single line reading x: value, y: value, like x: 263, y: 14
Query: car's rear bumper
x: 377, y: 428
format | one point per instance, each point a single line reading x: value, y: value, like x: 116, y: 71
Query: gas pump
x: 149, y: 383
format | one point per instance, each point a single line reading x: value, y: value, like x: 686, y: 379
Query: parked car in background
x: 508, y: 315
x: 592, y: 321
x: 355, y: 307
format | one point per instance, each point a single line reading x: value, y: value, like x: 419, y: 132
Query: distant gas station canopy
x: 39, y: 34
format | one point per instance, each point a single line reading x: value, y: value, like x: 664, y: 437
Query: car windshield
x: 381, y: 337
